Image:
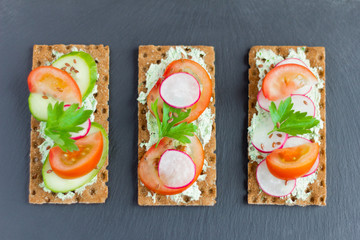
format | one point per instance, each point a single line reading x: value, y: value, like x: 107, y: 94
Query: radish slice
x: 296, y: 141
x: 303, y: 104
x: 176, y: 169
x: 291, y: 61
x: 271, y: 185
x: 82, y: 133
x: 267, y: 143
x: 180, y: 90
x: 264, y: 103
x: 304, y: 90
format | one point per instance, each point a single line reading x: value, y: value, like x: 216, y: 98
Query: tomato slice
x: 283, y: 80
x: 294, y: 162
x: 54, y: 82
x: 75, y: 164
x: 196, y: 70
x: 148, y: 165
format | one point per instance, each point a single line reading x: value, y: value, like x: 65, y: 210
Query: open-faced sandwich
x: 287, y: 131
x: 69, y: 129
x: 176, y: 112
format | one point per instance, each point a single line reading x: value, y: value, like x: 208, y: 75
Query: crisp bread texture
x: 97, y: 192
x: 152, y: 55
x: 317, y: 189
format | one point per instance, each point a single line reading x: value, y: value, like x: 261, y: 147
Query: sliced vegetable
x: 38, y: 105
x: 264, y: 142
x: 82, y: 67
x: 292, y: 61
x: 294, y: 162
x: 176, y: 169
x: 283, y: 80
x: 52, y: 82
x: 58, y: 184
x: 180, y: 90
x: 148, y: 165
x: 70, y: 165
x: 263, y: 102
x: 300, y: 103
x: 272, y: 185
x: 296, y: 141
x: 85, y: 128
x: 196, y: 70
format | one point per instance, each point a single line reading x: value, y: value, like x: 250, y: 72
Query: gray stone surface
x: 232, y: 27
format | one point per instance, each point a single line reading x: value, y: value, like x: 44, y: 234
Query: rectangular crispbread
x: 317, y: 189
x: 97, y: 192
x: 152, y: 55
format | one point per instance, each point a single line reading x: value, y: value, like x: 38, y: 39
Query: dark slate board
x: 232, y: 27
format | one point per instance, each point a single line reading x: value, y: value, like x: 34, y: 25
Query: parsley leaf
x: 286, y: 120
x: 168, y: 128
x: 61, y: 123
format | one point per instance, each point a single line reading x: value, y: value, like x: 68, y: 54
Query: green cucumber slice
x: 38, y: 106
x: 61, y: 185
x: 82, y: 67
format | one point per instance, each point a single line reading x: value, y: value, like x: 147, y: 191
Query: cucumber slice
x: 82, y: 67
x: 38, y: 106
x: 57, y: 184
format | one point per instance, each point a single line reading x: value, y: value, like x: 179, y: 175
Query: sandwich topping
x: 184, y: 128
x: 284, y: 133
x: 62, y: 98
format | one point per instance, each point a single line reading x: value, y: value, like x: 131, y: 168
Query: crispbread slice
x: 316, y: 55
x: 97, y: 192
x: 151, y: 54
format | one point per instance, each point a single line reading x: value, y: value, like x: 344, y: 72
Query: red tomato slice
x: 193, y: 68
x: 294, y: 162
x: 148, y: 166
x: 55, y: 83
x: 75, y: 164
x: 283, y: 80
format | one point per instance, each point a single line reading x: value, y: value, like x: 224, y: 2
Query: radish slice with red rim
x: 264, y: 103
x: 296, y: 141
x: 264, y: 142
x: 272, y: 185
x: 301, y: 103
x: 304, y: 90
x: 180, y: 90
x: 176, y: 169
x: 82, y: 133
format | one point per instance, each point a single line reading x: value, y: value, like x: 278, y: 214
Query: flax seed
x: 273, y: 144
x: 278, y: 125
x: 270, y: 135
x: 175, y: 115
x: 170, y: 120
x: 305, y: 102
x: 262, y: 146
x: 66, y: 64
x: 44, y: 97
x: 74, y: 60
x: 170, y: 114
x: 278, y: 143
x: 260, y: 157
x: 279, y: 135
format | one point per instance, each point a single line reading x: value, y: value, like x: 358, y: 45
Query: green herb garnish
x: 171, y: 117
x: 61, y: 123
x: 286, y: 120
